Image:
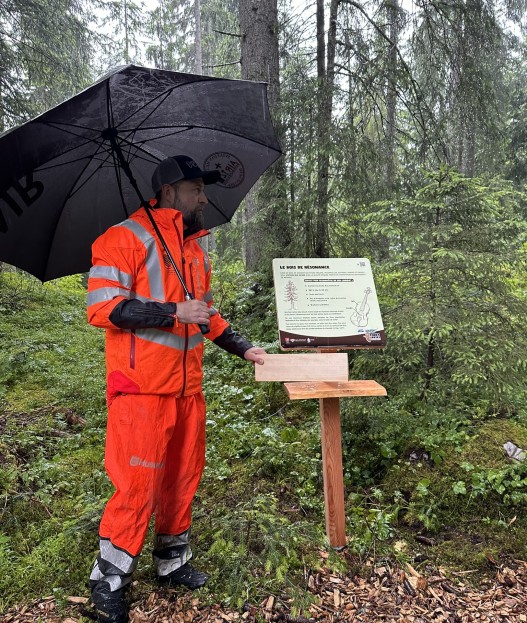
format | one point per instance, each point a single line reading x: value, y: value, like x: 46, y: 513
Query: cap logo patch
x: 230, y: 167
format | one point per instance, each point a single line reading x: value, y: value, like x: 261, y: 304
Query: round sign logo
x: 231, y: 169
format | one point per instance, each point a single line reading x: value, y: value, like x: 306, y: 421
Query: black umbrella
x: 72, y: 172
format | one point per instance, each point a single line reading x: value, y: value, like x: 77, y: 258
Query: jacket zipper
x: 132, y: 349
x: 185, y: 351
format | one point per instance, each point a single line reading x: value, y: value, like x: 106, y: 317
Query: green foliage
x: 452, y: 308
x: 372, y: 520
x: 45, y: 48
x: 258, y: 518
x: 474, y: 480
x: 171, y: 27
x: 254, y: 549
x: 409, y: 464
x: 245, y: 299
x: 125, y: 19
x: 52, y: 480
x: 449, y: 259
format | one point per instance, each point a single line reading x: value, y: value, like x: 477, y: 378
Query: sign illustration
x: 327, y: 302
x: 359, y: 315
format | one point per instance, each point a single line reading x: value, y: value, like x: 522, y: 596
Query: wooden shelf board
x: 327, y: 389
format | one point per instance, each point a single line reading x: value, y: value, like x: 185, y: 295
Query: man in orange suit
x: 155, y: 444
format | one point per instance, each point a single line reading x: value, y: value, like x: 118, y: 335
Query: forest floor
x: 390, y: 593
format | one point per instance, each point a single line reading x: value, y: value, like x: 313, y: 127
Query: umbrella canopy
x: 61, y: 182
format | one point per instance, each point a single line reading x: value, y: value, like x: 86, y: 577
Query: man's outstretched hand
x: 255, y: 354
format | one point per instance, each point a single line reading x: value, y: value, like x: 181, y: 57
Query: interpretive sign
x: 327, y: 303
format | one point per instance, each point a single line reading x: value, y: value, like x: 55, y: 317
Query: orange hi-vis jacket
x: 129, y: 262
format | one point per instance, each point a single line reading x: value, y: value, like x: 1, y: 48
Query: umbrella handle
x: 202, y: 327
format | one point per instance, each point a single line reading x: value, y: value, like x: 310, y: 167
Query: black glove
x: 233, y: 342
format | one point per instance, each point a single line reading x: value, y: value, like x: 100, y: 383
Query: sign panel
x: 327, y: 303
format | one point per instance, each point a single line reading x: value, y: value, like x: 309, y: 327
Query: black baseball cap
x: 178, y: 168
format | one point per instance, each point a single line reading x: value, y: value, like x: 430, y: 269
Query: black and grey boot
x: 186, y: 576
x: 171, y: 558
x: 110, y: 606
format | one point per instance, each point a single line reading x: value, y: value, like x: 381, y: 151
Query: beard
x: 192, y: 220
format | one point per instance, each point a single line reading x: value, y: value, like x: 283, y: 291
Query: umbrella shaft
x: 126, y: 167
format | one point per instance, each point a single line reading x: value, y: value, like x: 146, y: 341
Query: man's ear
x: 166, y: 191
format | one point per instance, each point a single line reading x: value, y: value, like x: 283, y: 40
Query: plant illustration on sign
x: 291, y: 294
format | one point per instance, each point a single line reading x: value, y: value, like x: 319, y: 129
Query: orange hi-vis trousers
x: 155, y: 455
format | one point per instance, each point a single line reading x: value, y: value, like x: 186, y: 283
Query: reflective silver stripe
x: 165, y: 541
x: 114, y: 580
x: 172, y: 540
x: 207, y: 297
x: 164, y: 567
x: 107, y: 294
x: 113, y: 274
x: 118, y: 558
x: 206, y: 262
x: 118, y: 564
x: 164, y: 338
x: 152, y: 264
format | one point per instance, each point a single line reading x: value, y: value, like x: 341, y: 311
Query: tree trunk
x: 392, y: 11
x: 259, y: 61
x: 206, y: 242
x: 126, y: 40
x: 198, y: 64
x: 431, y: 346
x: 326, y: 79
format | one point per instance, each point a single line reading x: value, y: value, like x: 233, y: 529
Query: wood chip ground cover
x: 390, y: 593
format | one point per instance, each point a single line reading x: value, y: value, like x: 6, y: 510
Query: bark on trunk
x: 326, y: 80
x: 198, y: 64
x: 259, y: 61
x: 392, y: 10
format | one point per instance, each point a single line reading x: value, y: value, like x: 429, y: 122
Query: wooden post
x: 330, y: 434
x: 329, y: 394
x: 305, y: 374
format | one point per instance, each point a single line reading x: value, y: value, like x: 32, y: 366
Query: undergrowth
x: 434, y: 470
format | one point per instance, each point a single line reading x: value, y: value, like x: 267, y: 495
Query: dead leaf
x: 77, y: 600
x: 270, y: 603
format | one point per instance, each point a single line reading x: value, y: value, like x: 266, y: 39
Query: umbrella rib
x: 162, y: 97
x: 204, y: 127
x: 58, y: 125
x: 133, y: 131
x: 87, y: 140
x: 68, y: 196
x: 117, y: 170
x: 130, y: 143
x: 61, y: 164
x: 116, y: 166
x: 101, y: 164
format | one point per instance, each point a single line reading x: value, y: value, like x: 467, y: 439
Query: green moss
x: 485, y: 449
x: 472, y: 504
